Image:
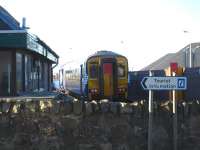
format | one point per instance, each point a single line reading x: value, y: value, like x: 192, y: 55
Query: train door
x: 61, y: 78
x: 108, y: 79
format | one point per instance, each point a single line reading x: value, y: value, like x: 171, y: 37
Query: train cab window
x: 121, y: 70
x: 93, y: 71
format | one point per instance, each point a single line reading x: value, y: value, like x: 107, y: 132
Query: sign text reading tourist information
x: 164, y: 83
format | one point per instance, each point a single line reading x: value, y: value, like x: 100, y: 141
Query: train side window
x: 93, y: 71
x: 121, y: 70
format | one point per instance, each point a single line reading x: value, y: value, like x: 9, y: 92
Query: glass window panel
x: 46, y: 76
x: 93, y: 71
x: 19, y: 73
x: 121, y: 70
x: 5, y: 73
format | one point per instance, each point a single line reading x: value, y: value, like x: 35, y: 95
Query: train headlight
x: 94, y: 91
x: 121, y: 90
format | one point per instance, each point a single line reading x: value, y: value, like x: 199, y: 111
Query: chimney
x: 24, y: 23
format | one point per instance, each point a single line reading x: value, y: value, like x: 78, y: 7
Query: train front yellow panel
x: 107, y: 75
x: 122, y: 65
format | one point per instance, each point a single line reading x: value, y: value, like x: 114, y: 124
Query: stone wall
x: 77, y: 125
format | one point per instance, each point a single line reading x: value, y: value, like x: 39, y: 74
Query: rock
x: 137, y: 131
x: 194, y: 109
x: 71, y: 121
x: 120, y: 132
x: 106, y: 146
x: 114, y: 107
x: 30, y: 107
x: 53, y: 143
x: 55, y: 107
x: 45, y: 105
x: 105, y: 106
x: 126, y: 108
x: 95, y: 106
x: 66, y: 107
x: 87, y: 147
x: 77, y: 107
x: 22, y: 139
x: 16, y: 108
x: 88, y: 108
x: 6, y: 107
x: 121, y: 147
x: 160, y: 138
x: 185, y: 109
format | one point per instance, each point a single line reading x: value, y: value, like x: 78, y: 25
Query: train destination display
x: 164, y: 83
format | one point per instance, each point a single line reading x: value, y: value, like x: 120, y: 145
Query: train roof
x: 105, y: 53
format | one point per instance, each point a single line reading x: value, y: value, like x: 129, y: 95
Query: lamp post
x: 190, y: 64
x: 190, y: 52
x: 193, y: 54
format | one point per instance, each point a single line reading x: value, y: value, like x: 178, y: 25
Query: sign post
x: 150, y: 127
x: 174, y: 117
x: 163, y: 83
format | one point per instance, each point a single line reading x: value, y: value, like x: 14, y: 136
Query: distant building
x: 187, y: 57
x: 26, y: 62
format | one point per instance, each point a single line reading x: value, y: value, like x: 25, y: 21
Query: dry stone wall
x: 43, y: 124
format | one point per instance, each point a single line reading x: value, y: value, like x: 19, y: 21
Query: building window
x: 19, y: 73
x: 5, y: 73
x: 28, y: 70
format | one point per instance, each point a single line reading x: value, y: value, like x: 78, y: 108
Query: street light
x: 191, y: 55
x: 190, y: 51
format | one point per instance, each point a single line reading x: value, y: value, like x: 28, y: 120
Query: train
x: 104, y: 75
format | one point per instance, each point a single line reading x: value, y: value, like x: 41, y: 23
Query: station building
x: 26, y: 62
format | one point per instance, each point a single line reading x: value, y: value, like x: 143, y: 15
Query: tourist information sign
x: 164, y: 83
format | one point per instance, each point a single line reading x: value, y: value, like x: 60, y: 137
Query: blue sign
x: 164, y: 83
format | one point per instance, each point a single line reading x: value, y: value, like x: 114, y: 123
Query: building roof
x: 24, y: 40
x: 7, y: 21
x: 105, y: 53
x: 13, y: 36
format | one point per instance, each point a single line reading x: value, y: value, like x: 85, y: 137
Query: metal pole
x: 174, y: 118
x: 150, y: 127
x: 190, y: 55
x: 81, y: 79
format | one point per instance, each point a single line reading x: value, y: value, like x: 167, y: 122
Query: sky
x: 141, y: 30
